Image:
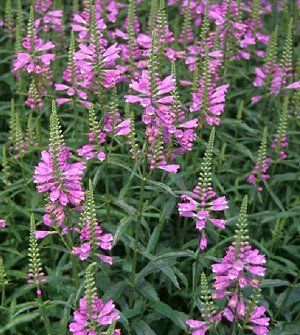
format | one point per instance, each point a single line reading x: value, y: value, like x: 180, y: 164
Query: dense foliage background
x: 167, y: 285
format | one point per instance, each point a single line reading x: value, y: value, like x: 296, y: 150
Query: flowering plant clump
x: 131, y: 132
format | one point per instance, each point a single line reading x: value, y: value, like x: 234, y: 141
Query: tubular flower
x: 87, y: 61
x: 280, y: 146
x: 89, y: 320
x: 197, y: 327
x: 55, y: 175
x: 92, y: 239
x: 63, y: 182
x: 259, y: 173
x: 2, y: 223
x: 201, y: 206
x: 113, y: 126
x: 54, y: 214
x: 157, y: 116
x: 41, y: 6
x: 35, y: 59
x: 94, y: 316
x: 259, y: 322
x: 208, y: 98
x: 203, y: 202
x: 50, y: 20
x: 240, y: 268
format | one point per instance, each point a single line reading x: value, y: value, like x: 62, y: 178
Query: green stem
x: 106, y: 174
x: 137, y: 237
x: 44, y: 315
x: 3, y: 296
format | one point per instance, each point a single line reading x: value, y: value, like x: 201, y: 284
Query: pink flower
x: 237, y: 269
x: 259, y: 321
x: 197, y: 327
x: 203, y: 242
x: 219, y: 204
x: 63, y: 187
x: 39, y: 234
x: 123, y: 128
x: 256, y: 99
x: 259, y: 173
x: 171, y: 168
x: 83, y: 251
x: 2, y: 223
x: 54, y: 215
x: 294, y: 86
x: 215, y: 103
x: 88, y: 323
x: 200, y: 206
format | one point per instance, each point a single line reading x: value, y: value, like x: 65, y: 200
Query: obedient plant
x: 261, y: 167
x: 34, y: 59
x: 240, y: 269
x: 209, y: 99
x: 57, y: 177
x: 203, y: 202
x: 280, y: 142
x: 91, y: 236
x: 36, y: 276
x: 94, y: 316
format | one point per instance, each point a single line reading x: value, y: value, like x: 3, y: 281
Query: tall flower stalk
x: 203, y: 201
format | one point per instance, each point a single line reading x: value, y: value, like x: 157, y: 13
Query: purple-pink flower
x: 259, y: 173
x: 92, y: 320
x: 201, y: 206
x: 2, y: 223
x: 258, y: 321
x: 63, y: 182
x: 239, y: 268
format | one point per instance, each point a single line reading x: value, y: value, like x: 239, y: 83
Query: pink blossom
x: 64, y: 187
x: 200, y: 206
x: 294, y: 86
x: 197, y: 327
x: 259, y: 321
x: 40, y: 234
x: 2, y: 223
x: 103, y: 314
x: 238, y: 268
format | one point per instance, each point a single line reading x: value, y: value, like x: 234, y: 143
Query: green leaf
x: 177, y: 317
x: 19, y: 320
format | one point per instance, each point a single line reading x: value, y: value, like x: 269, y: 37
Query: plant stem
x: 44, y: 315
x: 137, y: 237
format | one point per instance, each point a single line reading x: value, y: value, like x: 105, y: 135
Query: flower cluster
x: 92, y: 239
x: 112, y: 126
x: 241, y: 268
x: 94, y: 316
x: 63, y: 182
x: 89, y: 318
x: 57, y: 177
x: 203, y: 202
